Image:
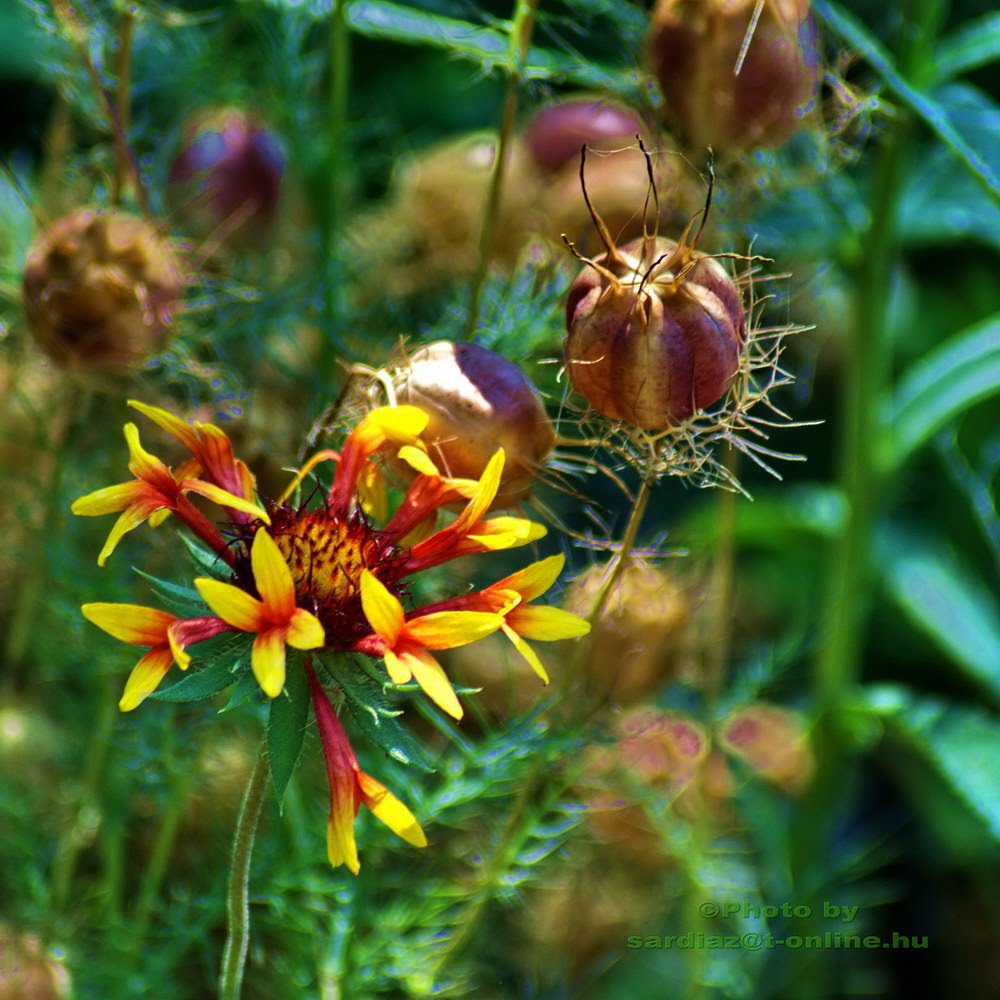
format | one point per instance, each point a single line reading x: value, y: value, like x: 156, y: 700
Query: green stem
x: 520, y: 39
x: 238, y: 908
x: 720, y: 641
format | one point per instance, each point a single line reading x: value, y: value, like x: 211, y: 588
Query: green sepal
x: 286, y: 728
x: 375, y: 714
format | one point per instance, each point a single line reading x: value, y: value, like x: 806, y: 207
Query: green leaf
x: 206, y: 560
x: 286, y: 729
x: 943, y: 599
x: 933, y: 113
x: 976, y: 43
x: 198, y: 684
x: 377, y: 717
x: 183, y: 601
x: 942, y: 384
x: 246, y: 687
x: 959, y: 742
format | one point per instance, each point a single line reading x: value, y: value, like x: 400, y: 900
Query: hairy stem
x: 520, y: 39
x: 238, y: 907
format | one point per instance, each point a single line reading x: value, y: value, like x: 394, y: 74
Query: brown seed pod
x: 641, y: 639
x: 731, y: 82
x: 655, y: 330
x: 773, y: 741
x: 100, y: 289
x: 478, y: 401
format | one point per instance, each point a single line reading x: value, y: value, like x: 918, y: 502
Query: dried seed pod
x: 555, y: 134
x: 715, y: 93
x: 227, y: 177
x: 100, y: 289
x: 478, y: 401
x: 655, y: 332
x: 773, y: 742
x: 640, y: 641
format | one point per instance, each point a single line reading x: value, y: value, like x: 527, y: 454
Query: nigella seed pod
x: 555, y: 134
x: 100, y: 289
x: 734, y: 77
x: 478, y: 401
x: 228, y: 174
x: 655, y: 332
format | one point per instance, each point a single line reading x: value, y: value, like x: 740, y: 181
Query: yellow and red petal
x: 399, y: 672
x: 304, y: 630
x: 145, y: 466
x: 341, y: 847
x: 381, y: 608
x: 225, y: 499
x: 373, y: 494
x: 534, y: 622
x: 184, y: 432
x: 506, y: 532
x: 267, y: 660
x: 527, y: 652
x: 533, y: 580
x: 390, y: 810
x: 430, y: 675
x: 145, y: 677
x: 131, y: 623
x: 129, y: 520
x: 185, y: 632
x: 448, y: 629
x: 273, y: 578
x: 112, y: 499
x: 232, y: 605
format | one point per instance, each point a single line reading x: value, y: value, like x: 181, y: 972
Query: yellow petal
x: 267, y: 660
x: 533, y: 580
x: 428, y: 673
x: 159, y: 516
x: 418, y: 460
x: 390, y: 810
x: 546, y: 623
x: 485, y: 493
x: 304, y: 630
x: 341, y: 847
x: 145, y: 677
x: 447, y: 629
x: 144, y: 465
x: 131, y: 623
x: 373, y: 494
x: 225, y: 499
x: 383, y: 611
x: 398, y: 423
x: 110, y: 499
x: 232, y: 605
x: 129, y: 520
x: 527, y: 652
x: 399, y: 672
x: 184, y: 432
x: 273, y: 578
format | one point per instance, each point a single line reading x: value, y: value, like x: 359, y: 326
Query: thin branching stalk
x: 123, y: 74
x: 238, y: 906
x: 520, y: 39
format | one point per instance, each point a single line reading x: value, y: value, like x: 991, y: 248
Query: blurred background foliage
x: 862, y: 586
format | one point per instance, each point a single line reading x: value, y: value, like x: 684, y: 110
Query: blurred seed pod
x: 711, y: 97
x: 656, y: 760
x: 478, y: 401
x: 655, y: 330
x: 643, y: 636
x: 774, y: 743
x: 429, y: 233
x: 507, y: 687
x: 100, y: 289
x: 555, y: 133
x: 26, y: 972
x: 226, y: 180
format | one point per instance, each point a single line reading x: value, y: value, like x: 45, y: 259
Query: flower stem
x: 123, y: 74
x: 520, y: 38
x: 238, y: 935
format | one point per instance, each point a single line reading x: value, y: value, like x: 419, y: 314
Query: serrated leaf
x: 376, y: 716
x: 197, y: 684
x: 184, y: 601
x: 944, y: 600
x: 286, y: 729
x: 941, y: 385
x: 927, y: 107
x: 207, y: 561
x: 246, y: 687
x: 958, y: 741
x: 973, y: 44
